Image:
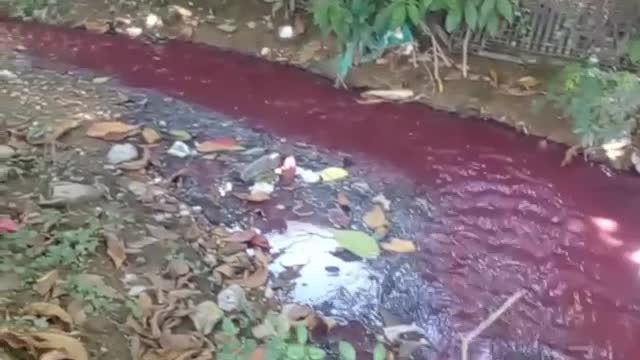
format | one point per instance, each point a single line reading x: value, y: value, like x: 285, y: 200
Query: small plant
x: 98, y: 298
x: 602, y: 104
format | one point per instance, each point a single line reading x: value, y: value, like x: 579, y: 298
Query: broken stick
x: 471, y: 335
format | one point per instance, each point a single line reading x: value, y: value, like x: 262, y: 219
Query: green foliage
x: 347, y: 352
x: 66, y: 248
x: 99, y: 299
x: 602, y: 104
x: 633, y: 50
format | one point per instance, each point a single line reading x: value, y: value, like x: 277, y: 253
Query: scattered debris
x: 358, y: 243
x: 120, y: 153
x: 207, y: 314
x: 399, y: 246
x: 179, y: 149
x: 333, y: 174
x: 68, y: 193
x: 232, y: 298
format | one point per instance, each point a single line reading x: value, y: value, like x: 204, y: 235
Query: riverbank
x: 492, y: 91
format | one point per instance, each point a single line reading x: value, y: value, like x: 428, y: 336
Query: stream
x: 491, y: 210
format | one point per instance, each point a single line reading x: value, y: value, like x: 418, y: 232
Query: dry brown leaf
x: 45, y: 284
x: 159, y: 232
x: 226, y: 270
x: 342, y: 199
x: 400, y: 246
x: 295, y: 312
x: 376, y: 218
x: 51, y: 311
x: 98, y: 26
x: 145, y: 304
x: 151, y: 136
x: 260, y: 276
x: 218, y: 145
x: 256, y: 197
x: 177, y: 268
x: 179, y: 342
x: 45, y: 342
x: 241, y: 236
x: 570, y: 154
x: 111, y: 130
x: 61, y: 128
x: 115, y: 249
x: 139, y: 164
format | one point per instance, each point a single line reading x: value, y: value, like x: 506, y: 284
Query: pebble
x: 179, y: 149
x: 133, y: 31
x: 73, y: 193
x: 265, y: 51
x: 7, y: 75
x: 6, y: 152
x: 152, y: 21
x: 285, y: 32
x: 120, y: 153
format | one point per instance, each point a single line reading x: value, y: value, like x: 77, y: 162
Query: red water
x: 507, y: 215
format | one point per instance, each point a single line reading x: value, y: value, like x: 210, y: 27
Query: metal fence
x: 565, y: 29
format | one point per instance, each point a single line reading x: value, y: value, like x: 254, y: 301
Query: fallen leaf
x: 261, y: 274
x: 111, y: 130
x: 358, y: 243
x: 139, y: 164
x: 61, y: 128
x: 97, y: 282
x: 376, y: 218
x: 296, y: 312
x: 339, y: 218
x: 206, y: 316
x: 48, y: 310
x: 218, y: 145
x: 569, y: 155
x: 60, y: 342
x: 151, y: 136
x: 392, y: 94
x: 241, y: 236
x: 115, y: 249
x: 227, y: 27
x: 400, y: 246
x: 159, y: 232
x: 333, y: 174
x: 77, y: 312
x: 101, y: 80
x: 98, y: 27
x: 181, y: 135
x: 342, y: 199
x: 256, y: 197
x: 45, y: 284
x: 178, y: 268
x: 528, y: 82
x: 179, y: 342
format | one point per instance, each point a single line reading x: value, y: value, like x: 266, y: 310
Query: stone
x: 120, y: 153
x: 67, y: 193
x: 8, y: 75
x: 6, y: 152
x: 179, y: 149
x: 232, y: 298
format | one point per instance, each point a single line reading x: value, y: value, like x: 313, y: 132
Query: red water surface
x: 506, y: 214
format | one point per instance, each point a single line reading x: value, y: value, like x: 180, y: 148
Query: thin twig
x: 468, y: 337
x: 436, y: 64
x: 465, y: 53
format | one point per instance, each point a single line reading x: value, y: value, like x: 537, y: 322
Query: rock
x: 6, y: 152
x: 227, y: 27
x: 133, y: 31
x: 179, y: 12
x: 67, y: 193
x: 7, y: 75
x: 179, y: 149
x: 232, y: 298
x: 635, y: 159
x: 285, y: 32
x: 265, y: 51
x: 261, y: 165
x: 152, y: 21
x: 120, y: 153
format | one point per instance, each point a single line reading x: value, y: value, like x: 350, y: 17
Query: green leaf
x: 347, y: 352
x: 486, y: 10
x: 315, y: 353
x: 493, y: 24
x: 633, y: 49
x: 505, y: 8
x: 399, y: 16
x: 425, y: 5
x: 295, y: 352
x: 471, y: 15
x: 454, y: 18
x: 379, y: 352
x: 358, y: 243
x: 302, y: 334
x: 228, y: 327
x: 414, y: 13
